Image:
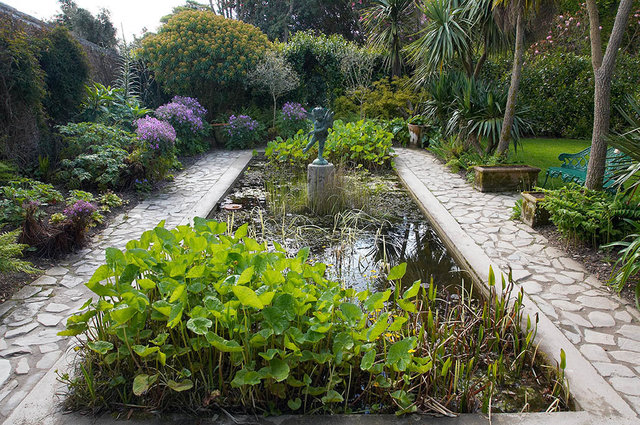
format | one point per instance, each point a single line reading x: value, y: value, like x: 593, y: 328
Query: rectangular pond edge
x: 588, y: 389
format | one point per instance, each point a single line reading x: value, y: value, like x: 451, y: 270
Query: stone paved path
x: 29, y: 322
x: 604, y: 327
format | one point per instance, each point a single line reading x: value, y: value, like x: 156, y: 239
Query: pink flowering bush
x: 156, y: 135
x: 153, y: 159
x: 187, y: 117
x: 293, y: 117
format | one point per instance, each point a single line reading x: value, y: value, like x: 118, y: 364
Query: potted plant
x: 418, y: 131
x: 533, y: 212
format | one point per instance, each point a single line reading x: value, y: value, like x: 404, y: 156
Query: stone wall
x: 103, y: 62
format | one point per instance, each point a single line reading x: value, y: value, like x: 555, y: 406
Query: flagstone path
x: 604, y: 328
x: 30, y: 321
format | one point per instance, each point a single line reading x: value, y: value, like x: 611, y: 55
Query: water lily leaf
x: 332, y: 397
x: 380, y: 326
x: 272, y: 278
x: 122, y: 313
x: 241, y: 232
x: 397, y: 272
x: 177, y: 293
x: 286, y: 303
x: 247, y: 297
x: 400, y: 355
x: 163, y: 307
x: 175, y: 316
x: 222, y: 344
x: 368, y: 360
x: 413, y: 291
x: 252, y: 245
x: 144, y: 350
x: 160, y: 338
x: 377, y: 300
x: 294, y: 404
x: 276, y: 319
x: 407, y: 306
x: 303, y: 254
x: 213, y: 304
x: 142, y: 382
x: 245, y: 276
x: 246, y: 377
x: 102, y: 305
x: 183, y: 385
x: 397, y: 324
x: 146, y: 284
x: 199, y: 325
x: 197, y: 271
x: 100, y: 347
x: 115, y: 258
x: 278, y: 369
x: 270, y: 353
x: 352, y: 312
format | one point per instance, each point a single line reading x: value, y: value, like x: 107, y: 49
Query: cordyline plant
x: 197, y: 318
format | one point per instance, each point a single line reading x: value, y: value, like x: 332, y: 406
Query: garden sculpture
x: 322, y: 122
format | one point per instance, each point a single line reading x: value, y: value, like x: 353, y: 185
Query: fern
x: 9, y: 253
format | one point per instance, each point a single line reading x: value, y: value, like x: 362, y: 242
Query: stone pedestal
x: 319, y: 183
x: 533, y: 213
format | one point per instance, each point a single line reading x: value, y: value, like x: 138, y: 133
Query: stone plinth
x: 505, y: 178
x: 533, y: 213
x: 319, y: 183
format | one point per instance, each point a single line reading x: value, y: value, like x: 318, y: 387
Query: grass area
x: 543, y: 153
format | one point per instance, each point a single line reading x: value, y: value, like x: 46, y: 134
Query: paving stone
x: 531, y: 287
x: 15, y: 351
x: 594, y: 352
x: 612, y: 369
x: 629, y: 344
x: 56, y: 308
x: 630, y: 331
x: 47, y: 319
x: 26, y: 292
x: 23, y: 366
x: 48, y: 360
x: 565, y: 289
x: 597, y: 302
x: 623, y: 316
x: 47, y: 348
x: 629, y: 386
x: 566, y: 305
x: 3, y: 344
x: 575, y: 319
x: 601, y: 319
x: 5, y: 371
x: 21, y: 330
x: 45, y: 281
x: 598, y: 338
x: 564, y: 279
x: 625, y: 356
x: 57, y: 271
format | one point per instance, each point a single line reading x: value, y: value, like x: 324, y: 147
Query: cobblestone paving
x: 604, y: 327
x: 30, y: 321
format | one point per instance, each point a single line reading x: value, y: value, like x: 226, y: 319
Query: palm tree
x: 456, y: 30
x: 387, y: 23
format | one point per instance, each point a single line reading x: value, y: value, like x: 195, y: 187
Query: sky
x: 134, y: 15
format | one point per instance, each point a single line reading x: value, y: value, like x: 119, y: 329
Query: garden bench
x: 574, y: 167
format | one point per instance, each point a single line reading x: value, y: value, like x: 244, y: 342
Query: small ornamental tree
x: 274, y: 74
x: 204, y: 55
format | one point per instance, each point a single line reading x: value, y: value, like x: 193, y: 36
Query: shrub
x: 293, y: 118
x: 628, y: 264
x: 243, y: 132
x: 111, y: 106
x: 15, y: 194
x: 204, y: 55
x: 157, y: 153
x: 197, y: 317
x: 360, y: 144
x: 186, y: 115
x: 87, y: 137
x: 66, y: 70
x: 591, y: 216
x: 10, y: 251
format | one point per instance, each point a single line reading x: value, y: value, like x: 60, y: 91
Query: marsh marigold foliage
x: 197, y: 51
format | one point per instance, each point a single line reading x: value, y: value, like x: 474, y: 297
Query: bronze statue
x: 322, y: 122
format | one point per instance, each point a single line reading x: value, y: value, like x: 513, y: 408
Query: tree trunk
x: 275, y: 105
x: 510, y: 110
x: 603, y: 67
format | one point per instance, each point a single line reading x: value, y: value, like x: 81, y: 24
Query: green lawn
x: 543, y: 153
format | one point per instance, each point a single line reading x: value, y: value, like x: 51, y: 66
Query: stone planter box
x: 533, y: 213
x: 505, y: 178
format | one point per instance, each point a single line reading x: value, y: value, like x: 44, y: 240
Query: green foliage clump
x: 66, y: 70
x: 355, y: 144
x: 387, y: 99
x: 558, y: 88
x: 10, y: 251
x: 591, y: 216
x: 111, y: 106
x: 17, y: 193
x: 628, y: 265
x: 201, y: 54
x: 316, y: 59
x: 191, y: 316
x: 94, y: 155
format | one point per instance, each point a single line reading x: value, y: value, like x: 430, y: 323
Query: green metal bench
x: 574, y: 167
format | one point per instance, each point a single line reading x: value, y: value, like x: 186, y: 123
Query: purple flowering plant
x: 292, y: 119
x: 293, y: 111
x: 156, y: 135
x: 80, y: 213
x: 186, y: 115
x: 243, y: 132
